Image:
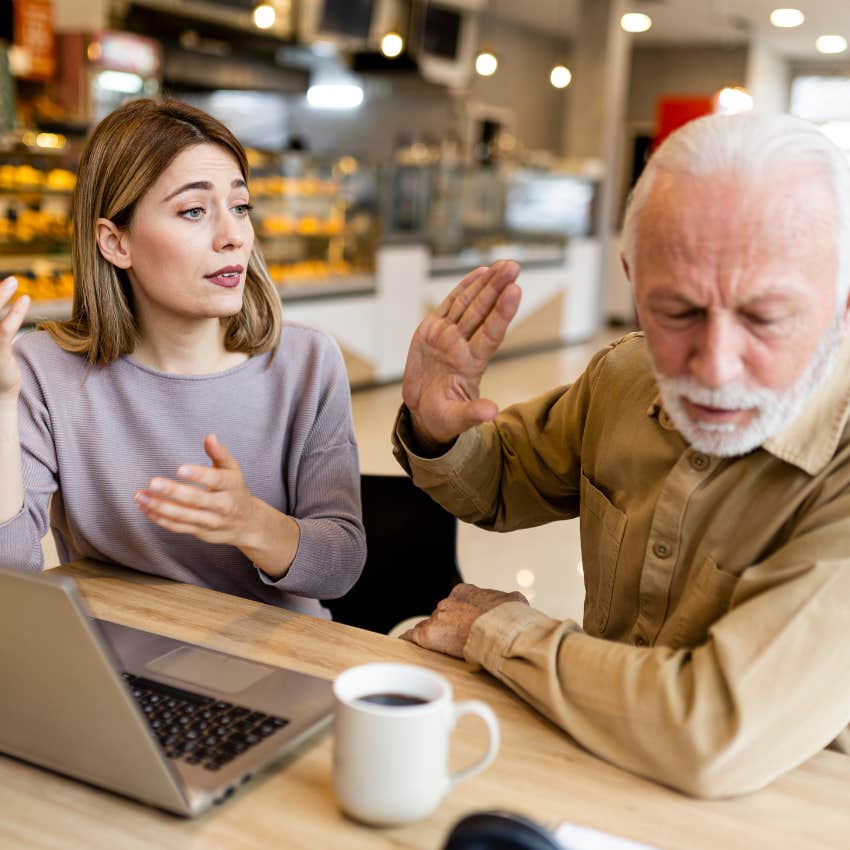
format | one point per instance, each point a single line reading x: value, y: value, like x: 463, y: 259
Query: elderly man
x: 707, y: 457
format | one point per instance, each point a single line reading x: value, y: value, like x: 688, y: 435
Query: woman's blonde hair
x: 122, y: 159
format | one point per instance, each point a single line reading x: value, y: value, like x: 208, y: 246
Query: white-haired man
x: 707, y: 457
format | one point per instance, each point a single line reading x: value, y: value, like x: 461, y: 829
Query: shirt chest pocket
x: 602, y: 529
x: 705, y: 600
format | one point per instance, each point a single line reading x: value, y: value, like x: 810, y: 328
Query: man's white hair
x: 747, y: 145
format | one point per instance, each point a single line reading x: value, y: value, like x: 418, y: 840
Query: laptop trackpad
x: 209, y: 669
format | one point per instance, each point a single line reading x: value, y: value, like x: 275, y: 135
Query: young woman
x: 175, y: 423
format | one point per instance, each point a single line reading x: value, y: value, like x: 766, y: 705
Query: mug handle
x: 489, y: 717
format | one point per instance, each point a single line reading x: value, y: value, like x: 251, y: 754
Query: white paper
x: 573, y: 837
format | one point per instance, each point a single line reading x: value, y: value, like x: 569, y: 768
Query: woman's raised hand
x: 450, y: 351
x: 10, y: 376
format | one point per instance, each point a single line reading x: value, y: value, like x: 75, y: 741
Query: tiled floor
x: 545, y: 562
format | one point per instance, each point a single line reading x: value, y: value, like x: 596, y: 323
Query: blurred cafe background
x: 396, y: 144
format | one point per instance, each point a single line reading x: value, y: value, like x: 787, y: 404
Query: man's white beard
x: 774, y: 409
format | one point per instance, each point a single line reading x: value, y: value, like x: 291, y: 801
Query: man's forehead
x: 719, y: 236
x: 804, y: 184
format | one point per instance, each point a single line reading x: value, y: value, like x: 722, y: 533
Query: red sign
x: 34, y: 37
x: 672, y: 112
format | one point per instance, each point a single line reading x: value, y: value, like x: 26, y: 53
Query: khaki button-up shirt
x: 715, y: 649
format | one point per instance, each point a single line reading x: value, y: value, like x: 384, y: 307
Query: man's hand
x: 215, y: 505
x: 447, y: 629
x: 450, y: 351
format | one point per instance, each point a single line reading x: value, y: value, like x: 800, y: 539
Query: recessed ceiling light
x: 391, y: 45
x: 334, y: 96
x: 787, y: 17
x: 831, y: 44
x: 486, y: 64
x: 264, y: 16
x: 635, y: 22
x: 560, y: 76
x: 734, y: 99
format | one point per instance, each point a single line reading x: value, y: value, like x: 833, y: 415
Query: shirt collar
x: 812, y: 439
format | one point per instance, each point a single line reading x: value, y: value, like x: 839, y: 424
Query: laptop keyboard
x: 199, y: 729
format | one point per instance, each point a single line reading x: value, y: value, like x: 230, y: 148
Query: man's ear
x: 113, y: 244
x: 625, y: 267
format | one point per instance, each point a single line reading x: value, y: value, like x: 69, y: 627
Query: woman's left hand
x: 214, y: 505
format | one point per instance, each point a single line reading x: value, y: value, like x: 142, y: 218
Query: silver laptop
x: 171, y: 724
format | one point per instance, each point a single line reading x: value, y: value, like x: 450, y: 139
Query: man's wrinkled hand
x: 448, y: 628
x: 450, y: 351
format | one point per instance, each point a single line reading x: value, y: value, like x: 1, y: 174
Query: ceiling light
x: 264, y: 16
x: 486, y: 64
x: 635, y: 22
x: 391, y: 45
x: 120, y: 81
x: 831, y: 44
x: 52, y: 141
x: 560, y: 76
x: 734, y: 99
x: 335, y: 96
x: 787, y: 17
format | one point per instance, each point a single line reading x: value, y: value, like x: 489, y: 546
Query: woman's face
x: 189, y: 240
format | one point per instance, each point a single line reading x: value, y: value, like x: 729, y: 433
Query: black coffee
x: 393, y: 699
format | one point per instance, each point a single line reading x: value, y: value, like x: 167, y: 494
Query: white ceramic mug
x: 391, y: 760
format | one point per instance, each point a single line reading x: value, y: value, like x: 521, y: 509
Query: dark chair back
x: 411, y: 561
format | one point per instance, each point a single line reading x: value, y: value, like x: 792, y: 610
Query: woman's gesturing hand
x: 214, y: 504
x: 450, y: 351
x: 10, y: 376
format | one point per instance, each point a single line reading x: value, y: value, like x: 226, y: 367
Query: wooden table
x: 539, y: 772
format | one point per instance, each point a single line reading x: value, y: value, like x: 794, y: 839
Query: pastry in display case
x: 36, y: 183
x: 316, y: 221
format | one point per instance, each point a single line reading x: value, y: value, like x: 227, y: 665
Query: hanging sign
x: 33, y: 30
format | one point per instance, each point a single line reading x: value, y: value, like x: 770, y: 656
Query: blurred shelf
x: 525, y: 254
x: 46, y: 311
x: 41, y: 191
x: 15, y: 261
x: 299, y: 289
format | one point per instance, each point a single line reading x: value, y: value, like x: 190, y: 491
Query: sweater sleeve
x: 20, y: 536
x: 332, y: 549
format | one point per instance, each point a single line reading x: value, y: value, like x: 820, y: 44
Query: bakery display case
x: 477, y: 215
x: 542, y: 218
x: 316, y: 221
x: 358, y: 251
x: 36, y: 183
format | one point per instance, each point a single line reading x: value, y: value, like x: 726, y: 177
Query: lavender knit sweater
x: 91, y: 438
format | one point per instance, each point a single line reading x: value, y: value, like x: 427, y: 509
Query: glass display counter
x: 358, y: 252
x: 543, y: 219
x: 316, y: 222
x: 473, y: 216
x: 36, y: 184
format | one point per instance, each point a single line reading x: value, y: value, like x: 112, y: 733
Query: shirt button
x: 661, y: 549
x: 699, y: 461
x: 639, y: 640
